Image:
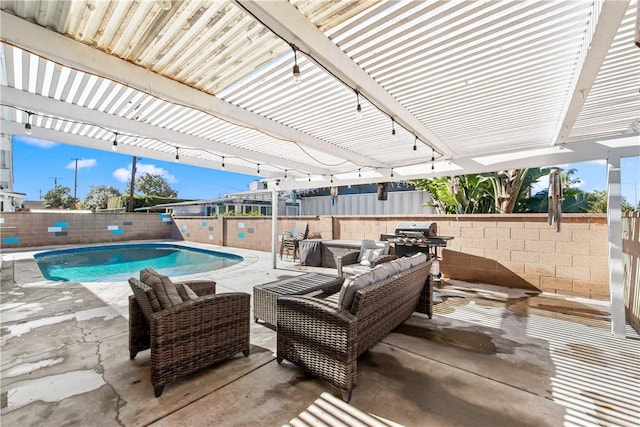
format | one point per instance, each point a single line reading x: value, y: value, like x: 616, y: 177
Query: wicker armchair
x: 351, y: 260
x: 189, y: 336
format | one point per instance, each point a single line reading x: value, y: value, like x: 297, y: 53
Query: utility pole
x: 132, y: 184
x: 55, y: 181
x: 75, y: 181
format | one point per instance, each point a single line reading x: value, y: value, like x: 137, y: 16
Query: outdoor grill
x: 412, y: 237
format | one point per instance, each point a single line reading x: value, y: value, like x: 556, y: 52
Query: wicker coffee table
x: 265, y: 296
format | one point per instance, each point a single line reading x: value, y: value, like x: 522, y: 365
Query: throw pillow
x: 372, y: 244
x: 185, y: 292
x: 190, y: 292
x: 369, y: 255
x: 164, y: 288
x: 143, y: 292
x: 364, y: 245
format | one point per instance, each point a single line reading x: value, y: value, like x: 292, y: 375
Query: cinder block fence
x: 508, y: 250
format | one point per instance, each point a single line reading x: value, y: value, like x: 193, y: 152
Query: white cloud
x: 123, y: 175
x: 82, y: 163
x: 39, y: 142
x: 598, y: 162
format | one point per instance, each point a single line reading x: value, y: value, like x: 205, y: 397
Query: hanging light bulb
x: 391, y: 172
x: 433, y: 159
x: 114, y: 147
x: 258, y: 168
x: 296, y: 68
x: 359, y: 175
x: 393, y: 128
x: 309, y: 177
x: 222, y: 162
x: 27, y: 125
x: 415, y: 143
x: 285, y: 174
x: 332, y: 179
x: 177, y: 155
x: 359, y: 107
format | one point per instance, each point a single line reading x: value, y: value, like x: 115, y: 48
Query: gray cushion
x: 185, y: 292
x: 381, y: 272
x: 361, y: 281
x: 372, y: 244
x: 355, y: 269
x: 395, y: 266
x: 417, y: 259
x: 405, y: 263
x: 164, y: 288
x: 146, y: 298
x: 369, y: 255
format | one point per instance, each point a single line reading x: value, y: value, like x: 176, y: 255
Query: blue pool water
x: 119, y: 262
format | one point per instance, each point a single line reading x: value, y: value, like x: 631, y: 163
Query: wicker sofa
x: 325, y: 337
x: 190, y: 335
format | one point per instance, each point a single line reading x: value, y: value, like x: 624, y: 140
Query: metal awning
x: 477, y: 86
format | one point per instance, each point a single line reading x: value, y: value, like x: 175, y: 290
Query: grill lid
x: 417, y: 229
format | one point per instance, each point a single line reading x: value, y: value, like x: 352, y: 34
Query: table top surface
x: 300, y: 284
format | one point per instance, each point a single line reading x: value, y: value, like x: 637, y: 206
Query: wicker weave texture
x: 190, y: 336
x: 326, y: 340
x: 265, y: 296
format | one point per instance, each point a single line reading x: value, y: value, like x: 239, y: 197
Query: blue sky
x: 37, y: 162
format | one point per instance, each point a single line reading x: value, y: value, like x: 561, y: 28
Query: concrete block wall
x: 507, y: 250
x: 201, y: 229
x: 33, y: 229
x: 511, y: 250
x: 251, y: 232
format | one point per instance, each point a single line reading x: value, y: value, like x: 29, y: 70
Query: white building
x: 9, y: 201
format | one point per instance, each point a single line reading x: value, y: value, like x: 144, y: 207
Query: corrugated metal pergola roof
x: 476, y: 85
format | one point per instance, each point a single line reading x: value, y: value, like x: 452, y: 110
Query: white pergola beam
x: 609, y: 20
x: 63, y: 50
x: 100, y: 144
x: 614, y: 220
x: 576, y: 152
x: 55, y: 108
x: 285, y: 20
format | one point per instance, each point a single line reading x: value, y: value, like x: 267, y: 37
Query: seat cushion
x: 164, y: 288
x: 355, y: 269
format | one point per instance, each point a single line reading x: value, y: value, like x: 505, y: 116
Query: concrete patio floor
x: 489, y: 357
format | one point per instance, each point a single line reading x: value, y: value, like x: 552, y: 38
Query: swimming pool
x: 119, y: 262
